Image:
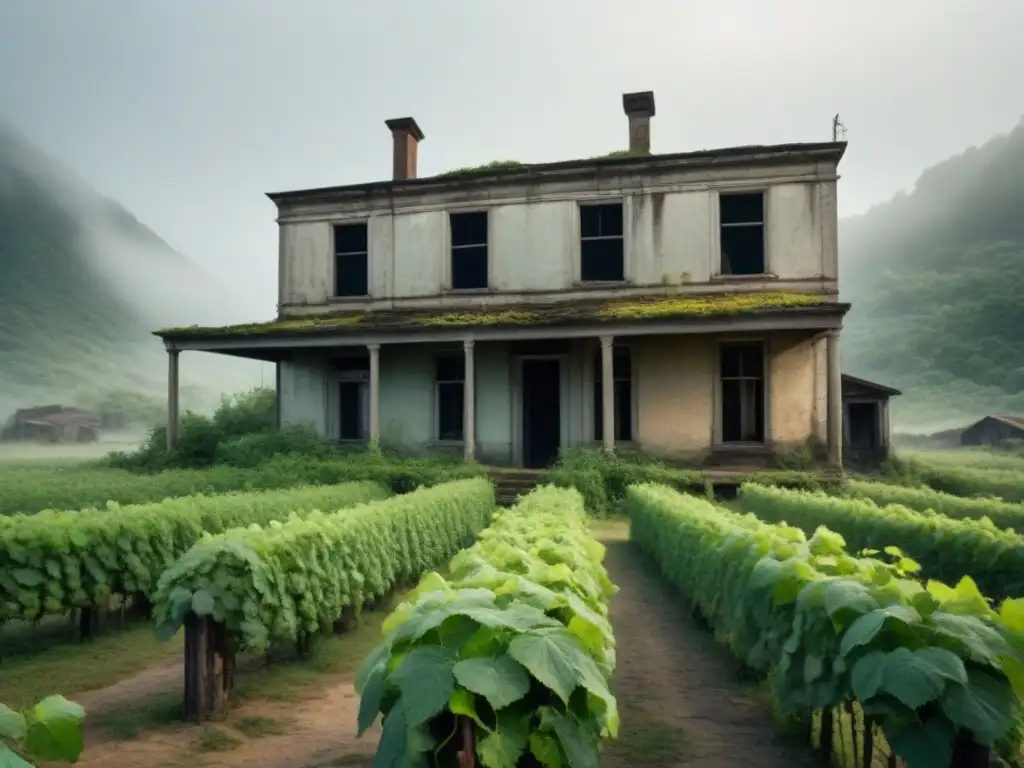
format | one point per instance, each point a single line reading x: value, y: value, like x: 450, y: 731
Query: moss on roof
x: 616, y: 310
x: 509, y: 165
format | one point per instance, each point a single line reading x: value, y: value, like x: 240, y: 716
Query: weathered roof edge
x: 891, y: 391
x: 705, y: 157
x: 322, y: 325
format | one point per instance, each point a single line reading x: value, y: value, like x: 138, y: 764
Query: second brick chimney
x: 639, y: 108
x: 407, y: 137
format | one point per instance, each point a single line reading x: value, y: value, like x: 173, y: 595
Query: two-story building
x: 680, y: 303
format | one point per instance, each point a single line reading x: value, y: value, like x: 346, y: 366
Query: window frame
x: 349, y: 369
x: 451, y: 248
x: 766, y: 270
x: 336, y: 254
x: 596, y: 407
x: 580, y: 240
x: 438, y: 383
x: 719, y: 400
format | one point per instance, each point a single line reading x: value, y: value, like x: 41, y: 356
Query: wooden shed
x: 51, y: 424
x: 866, y: 435
x: 993, y: 430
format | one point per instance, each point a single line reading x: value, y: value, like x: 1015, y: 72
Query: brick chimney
x: 639, y: 108
x: 407, y: 136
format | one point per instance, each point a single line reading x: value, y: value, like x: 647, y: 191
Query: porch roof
x: 640, y: 316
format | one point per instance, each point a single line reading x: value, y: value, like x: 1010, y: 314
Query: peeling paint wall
x: 676, y: 394
x: 793, y: 382
x: 671, y: 234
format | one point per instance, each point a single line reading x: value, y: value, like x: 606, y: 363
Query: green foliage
x: 296, y: 576
x: 49, y: 730
x: 29, y: 490
x: 937, y: 275
x: 1002, y: 513
x: 947, y: 548
x: 970, y: 481
x: 925, y: 662
x: 201, y: 438
x: 518, y: 641
x: 125, y: 409
x: 602, y: 478
x: 56, y: 561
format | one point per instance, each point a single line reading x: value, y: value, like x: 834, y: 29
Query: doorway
x: 542, y: 417
x: 863, y: 429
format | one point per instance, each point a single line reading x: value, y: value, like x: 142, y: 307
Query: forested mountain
x: 83, y: 283
x: 936, y: 278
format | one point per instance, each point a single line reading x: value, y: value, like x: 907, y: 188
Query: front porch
x: 514, y: 394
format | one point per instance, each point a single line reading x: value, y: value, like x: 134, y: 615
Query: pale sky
x: 188, y: 111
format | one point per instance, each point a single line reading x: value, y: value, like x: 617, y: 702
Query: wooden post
x: 607, y: 393
x: 467, y: 754
x: 469, y: 402
x: 172, y: 398
x: 834, y: 399
x: 374, y: 393
x: 209, y: 667
x: 826, y: 739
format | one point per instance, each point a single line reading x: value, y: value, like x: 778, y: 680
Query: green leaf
x: 547, y: 749
x: 10, y: 759
x: 426, y: 681
x: 866, y: 675
x: 501, y: 681
x: 913, y: 680
x: 845, y: 594
x: 580, y: 747
x: 463, y: 703
x: 924, y: 746
x: 370, y: 698
x: 202, y: 603
x: 1011, y: 613
x: 984, y: 706
x: 553, y: 657
x: 394, y: 741
x: 503, y: 748
x: 54, y: 729
x: 12, y: 724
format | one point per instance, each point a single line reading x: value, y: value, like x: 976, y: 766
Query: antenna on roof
x: 838, y: 129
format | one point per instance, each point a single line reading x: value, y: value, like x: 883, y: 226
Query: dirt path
x: 678, y: 690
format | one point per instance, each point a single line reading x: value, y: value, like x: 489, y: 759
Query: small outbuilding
x: 51, y: 424
x: 993, y: 430
x: 866, y: 436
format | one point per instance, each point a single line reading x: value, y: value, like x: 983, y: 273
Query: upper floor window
x: 622, y: 381
x: 351, y: 273
x: 469, y: 250
x: 601, y: 244
x: 450, y: 380
x: 741, y: 217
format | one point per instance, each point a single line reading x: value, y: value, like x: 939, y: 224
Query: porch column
x: 607, y: 393
x: 469, y: 402
x: 172, y: 398
x: 834, y: 399
x: 374, y: 393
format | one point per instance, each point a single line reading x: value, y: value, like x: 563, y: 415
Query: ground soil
x: 680, y: 695
x: 679, y: 692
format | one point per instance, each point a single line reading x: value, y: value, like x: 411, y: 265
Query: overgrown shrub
x: 200, y: 437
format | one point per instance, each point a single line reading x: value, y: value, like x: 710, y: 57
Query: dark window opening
x: 863, y: 426
x: 742, y: 374
x: 741, y: 217
x: 601, y: 243
x: 622, y: 377
x: 351, y: 409
x: 351, y: 274
x: 469, y: 250
x: 450, y: 375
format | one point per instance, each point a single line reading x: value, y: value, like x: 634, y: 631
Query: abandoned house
x: 993, y: 430
x: 681, y: 304
x: 866, y: 438
x: 51, y: 424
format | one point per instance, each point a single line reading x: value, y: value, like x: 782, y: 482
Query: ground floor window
x: 743, y: 394
x: 622, y: 377
x: 450, y: 377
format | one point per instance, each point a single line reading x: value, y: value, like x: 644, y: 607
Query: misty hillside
x: 84, y: 284
x: 936, y: 278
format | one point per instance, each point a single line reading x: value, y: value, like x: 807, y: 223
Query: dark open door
x: 542, y: 420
